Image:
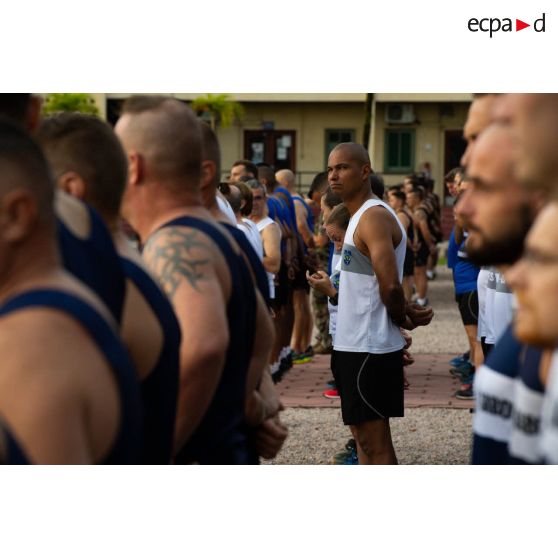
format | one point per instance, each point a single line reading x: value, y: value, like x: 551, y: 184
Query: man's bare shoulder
x: 375, y: 218
x: 57, y: 390
x: 184, y: 254
x: 39, y: 339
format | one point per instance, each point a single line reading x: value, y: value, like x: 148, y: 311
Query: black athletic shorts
x: 370, y: 386
x: 468, y: 307
x: 409, y: 265
x: 421, y: 256
x: 281, y: 288
x: 300, y: 282
x: 486, y: 347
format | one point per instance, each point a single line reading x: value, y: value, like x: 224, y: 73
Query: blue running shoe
x: 459, y: 360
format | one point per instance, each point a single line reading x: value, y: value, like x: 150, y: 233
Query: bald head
x: 167, y: 135
x: 353, y: 152
x: 286, y: 178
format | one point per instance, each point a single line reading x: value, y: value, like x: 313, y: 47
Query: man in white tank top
x: 367, y: 359
x: 270, y: 234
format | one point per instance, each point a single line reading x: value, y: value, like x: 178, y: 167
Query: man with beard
x: 533, y: 121
x: 478, y: 118
x: 498, y: 213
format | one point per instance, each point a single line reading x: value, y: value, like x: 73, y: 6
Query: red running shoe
x: 331, y: 394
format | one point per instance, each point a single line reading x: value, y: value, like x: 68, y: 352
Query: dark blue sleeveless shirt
x: 309, y: 216
x: 95, y: 262
x: 494, y: 396
x: 159, y: 391
x: 290, y: 204
x: 221, y: 438
x: 127, y: 446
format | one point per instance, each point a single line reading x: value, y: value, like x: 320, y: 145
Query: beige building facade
x: 409, y: 132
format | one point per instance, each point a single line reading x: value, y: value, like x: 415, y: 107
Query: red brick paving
x: 431, y: 384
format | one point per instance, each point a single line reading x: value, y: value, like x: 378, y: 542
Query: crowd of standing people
x: 147, y: 308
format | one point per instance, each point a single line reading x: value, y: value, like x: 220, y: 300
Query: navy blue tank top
x: 159, y: 391
x: 221, y: 439
x: 257, y: 266
x: 127, y: 445
x: 290, y: 203
x: 95, y: 262
x: 309, y: 215
x: 14, y: 454
x: 494, y: 401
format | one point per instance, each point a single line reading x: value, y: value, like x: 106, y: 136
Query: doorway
x: 274, y: 147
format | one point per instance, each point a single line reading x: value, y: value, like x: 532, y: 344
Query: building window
x: 335, y: 137
x: 399, y: 151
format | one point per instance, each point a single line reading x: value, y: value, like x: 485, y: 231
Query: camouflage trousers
x: 321, y: 319
x: 319, y: 306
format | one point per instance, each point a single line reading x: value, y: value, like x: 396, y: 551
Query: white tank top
x: 363, y: 323
x: 498, y: 306
x: 253, y: 235
x: 264, y: 223
x: 226, y: 208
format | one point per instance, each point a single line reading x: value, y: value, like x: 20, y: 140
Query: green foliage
x: 70, y: 102
x: 218, y: 109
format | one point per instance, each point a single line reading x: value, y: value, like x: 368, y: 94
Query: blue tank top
x: 452, y: 250
x: 159, y: 391
x: 127, y: 445
x: 465, y: 273
x: 290, y: 203
x: 221, y: 439
x: 309, y: 216
x: 272, y: 208
x: 95, y: 262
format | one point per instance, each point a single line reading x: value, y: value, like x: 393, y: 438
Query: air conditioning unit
x: 400, y: 113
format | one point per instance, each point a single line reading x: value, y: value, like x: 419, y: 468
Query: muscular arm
x: 185, y: 263
x: 376, y: 231
x: 302, y: 224
x: 271, y: 238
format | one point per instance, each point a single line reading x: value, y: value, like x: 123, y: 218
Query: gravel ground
x: 445, y: 334
x: 424, y: 436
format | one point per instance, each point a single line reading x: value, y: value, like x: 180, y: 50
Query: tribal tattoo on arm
x: 176, y: 253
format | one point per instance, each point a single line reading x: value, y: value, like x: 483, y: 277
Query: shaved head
x: 354, y: 152
x: 286, y: 178
x: 167, y: 134
x: 23, y: 166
